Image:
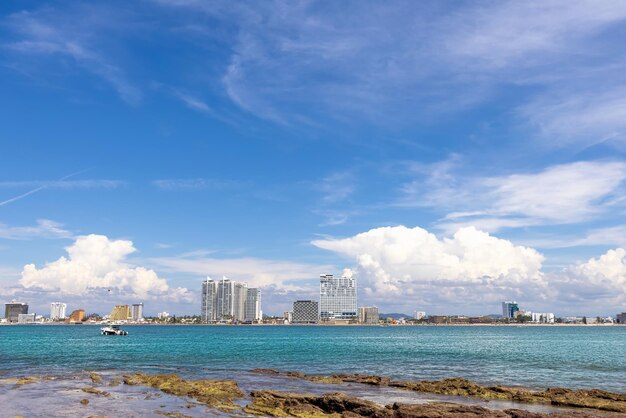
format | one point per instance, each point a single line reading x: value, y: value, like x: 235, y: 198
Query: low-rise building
x: 368, y: 315
x: 419, y: 315
x: 28, y: 318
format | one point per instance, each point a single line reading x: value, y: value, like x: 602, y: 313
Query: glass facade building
x: 337, y: 297
x: 509, y: 308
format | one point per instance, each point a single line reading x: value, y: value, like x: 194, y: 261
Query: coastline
x: 266, y: 392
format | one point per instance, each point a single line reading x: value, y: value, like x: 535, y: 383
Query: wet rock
x: 95, y: 391
x: 363, y: 378
x: 280, y: 404
x: 593, y: 398
x: 218, y: 394
x: 95, y: 378
x: 84, y: 401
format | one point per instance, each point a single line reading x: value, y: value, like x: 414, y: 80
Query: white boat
x: 112, y: 330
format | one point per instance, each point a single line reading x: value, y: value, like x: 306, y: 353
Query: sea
x: 529, y: 356
x: 535, y: 357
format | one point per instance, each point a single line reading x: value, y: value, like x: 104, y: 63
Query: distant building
x: 509, y: 309
x: 209, y: 301
x: 305, y: 312
x: 227, y: 300
x: 288, y: 316
x: 26, y: 318
x: 136, y: 312
x: 368, y: 315
x: 57, y: 311
x: 620, y: 318
x: 541, y: 318
x: 253, y: 305
x: 77, y: 315
x: 163, y: 315
x: 337, y: 297
x: 13, y: 309
x: 120, y: 313
x: 420, y: 315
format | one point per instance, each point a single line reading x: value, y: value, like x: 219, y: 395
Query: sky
x: 449, y: 154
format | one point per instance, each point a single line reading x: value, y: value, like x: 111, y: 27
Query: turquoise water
x: 535, y: 357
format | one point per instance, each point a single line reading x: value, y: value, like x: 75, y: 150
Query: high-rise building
x: 420, y: 315
x: 337, y: 297
x: 509, y: 308
x: 227, y: 300
x: 120, y: 313
x: 253, y: 305
x: 77, y: 315
x: 136, y: 312
x: 225, y: 306
x: 240, y: 296
x: 620, y: 318
x: 368, y: 315
x: 209, y: 301
x: 305, y: 312
x: 13, y: 309
x: 57, y: 311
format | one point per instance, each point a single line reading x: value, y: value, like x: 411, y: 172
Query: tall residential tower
x: 337, y: 297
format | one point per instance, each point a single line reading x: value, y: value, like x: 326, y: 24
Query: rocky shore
x: 581, y: 398
x: 140, y: 393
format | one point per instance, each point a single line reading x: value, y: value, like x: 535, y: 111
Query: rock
x: 265, y: 371
x: 280, y: 404
x: 95, y: 391
x: 592, y: 398
x: 84, y: 401
x: 218, y: 394
x: 95, y: 378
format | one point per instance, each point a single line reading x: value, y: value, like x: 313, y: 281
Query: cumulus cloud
x: 391, y: 260
x: 599, y: 280
x: 472, y: 271
x: 95, y: 262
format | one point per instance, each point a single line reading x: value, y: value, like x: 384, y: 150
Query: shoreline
x: 320, y: 325
x: 268, y: 392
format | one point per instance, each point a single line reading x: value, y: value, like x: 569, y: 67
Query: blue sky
x: 451, y: 154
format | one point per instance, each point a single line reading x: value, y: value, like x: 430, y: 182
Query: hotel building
x: 337, y: 298
x: 136, y: 312
x: 253, y: 305
x: 57, y: 311
x: 509, y: 308
x: 14, y: 309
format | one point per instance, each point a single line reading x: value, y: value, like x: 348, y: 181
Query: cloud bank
x: 472, y: 269
x: 95, y: 263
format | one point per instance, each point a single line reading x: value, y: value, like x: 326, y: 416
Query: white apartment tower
x: 337, y: 297
x: 136, y: 312
x: 253, y: 305
x: 227, y: 300
x: 57, y: 311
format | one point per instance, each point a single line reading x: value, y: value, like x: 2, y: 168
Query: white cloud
x: 393, y: 260
x: 518, y: 33
x: 560, y: 194
x: 45, y: 228
x: 95, y: 262
x: 473, y: 271
x: 598, y: 282
x: 589, y: 118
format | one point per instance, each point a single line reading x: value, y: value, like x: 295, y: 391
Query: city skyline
x: 448, y: 155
